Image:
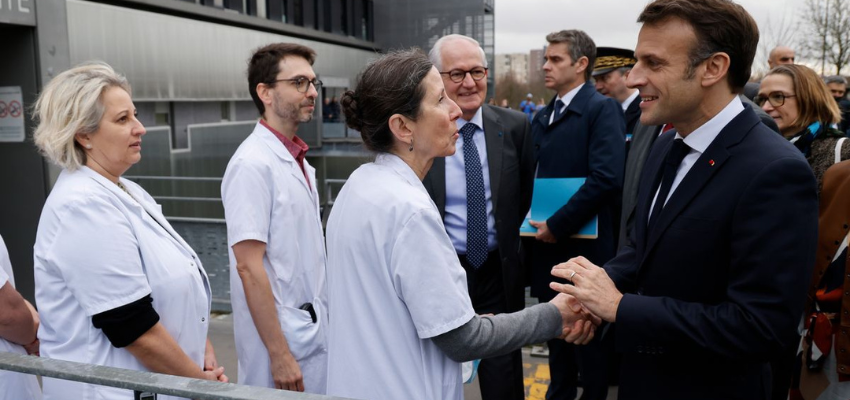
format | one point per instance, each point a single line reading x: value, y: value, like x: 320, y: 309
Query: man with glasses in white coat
x: 274, y: 230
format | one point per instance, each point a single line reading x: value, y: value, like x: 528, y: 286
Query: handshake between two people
x: 590, y: 299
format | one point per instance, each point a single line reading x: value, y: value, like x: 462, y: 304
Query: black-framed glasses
x: 301, y: 83
x: 457, y: 75
x: 776, y: 99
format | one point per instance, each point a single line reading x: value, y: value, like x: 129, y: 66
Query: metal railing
x: 146, y: 381
x: 137, y: 178
x: 329, y: 197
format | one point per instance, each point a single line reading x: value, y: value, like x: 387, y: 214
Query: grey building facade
x: 186, y: 61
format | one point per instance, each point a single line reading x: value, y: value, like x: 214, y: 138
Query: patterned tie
x: 671, y: 163
x: 476, y: 205
x: 558, y: 106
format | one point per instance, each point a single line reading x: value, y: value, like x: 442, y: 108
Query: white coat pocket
x: 302, y: 334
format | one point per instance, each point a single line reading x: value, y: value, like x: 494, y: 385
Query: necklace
x: 124, y: 188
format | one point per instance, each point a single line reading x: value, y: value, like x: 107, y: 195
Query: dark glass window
x: 364, y: 20
x: 251, y: 7
x: 326, y: 14
x: 342, y: 4
x: 298, y: 12
x: 276, y: 10
x: 235, y: 5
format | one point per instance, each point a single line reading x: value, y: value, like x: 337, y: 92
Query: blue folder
x: 550, y: 194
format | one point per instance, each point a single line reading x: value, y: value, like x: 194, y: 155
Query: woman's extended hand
x: 579, y: 325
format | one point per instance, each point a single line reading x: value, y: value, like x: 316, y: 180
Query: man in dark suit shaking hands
x: 580, y: 134
x: 713, y: 282
x: 483, y: 192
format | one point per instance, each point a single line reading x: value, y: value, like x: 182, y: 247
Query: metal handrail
x: 146, y: 381
x: 329, y: 198
x: 174, y: 178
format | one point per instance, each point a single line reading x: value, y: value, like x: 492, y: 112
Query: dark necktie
x: 558, y: 106
x: 671, y: 163
x: 476, y: 204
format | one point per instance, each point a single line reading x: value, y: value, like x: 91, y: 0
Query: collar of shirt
x: 569, y: 96
x: 400, y: 167
x: 702, y: 137
x: 297, y: 147
x: 629, y: 101
x: 699, y: 140
x: 477, y: 119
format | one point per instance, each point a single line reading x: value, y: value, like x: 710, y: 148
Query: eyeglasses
x: 301, y: 83
x: 457, y: 75
x: 776, y: 99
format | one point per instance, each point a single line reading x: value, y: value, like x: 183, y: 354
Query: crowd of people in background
x: 717, y: 267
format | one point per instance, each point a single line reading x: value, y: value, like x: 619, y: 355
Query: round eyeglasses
x: 457, y: 75
x: 301, y: 83
x: 776, y: 99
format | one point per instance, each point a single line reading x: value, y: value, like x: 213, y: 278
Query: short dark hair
x: 265, y: 65
x: 579, y: 45
x: 720, y: 26
x: 389, y: 85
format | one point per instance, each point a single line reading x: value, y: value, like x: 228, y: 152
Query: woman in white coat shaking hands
x: 401, y: 318
x: 115, y: 284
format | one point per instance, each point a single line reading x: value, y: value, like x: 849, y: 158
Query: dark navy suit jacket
x: 587, y: 140
x: 717, y: 287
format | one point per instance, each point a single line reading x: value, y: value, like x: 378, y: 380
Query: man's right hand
x: 579, y: 325
x: 286, y: 373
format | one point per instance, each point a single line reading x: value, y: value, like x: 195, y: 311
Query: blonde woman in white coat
x: 115, y: 284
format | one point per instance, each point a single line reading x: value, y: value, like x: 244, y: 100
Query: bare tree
x: 826, y: 33
x: 775, y: 33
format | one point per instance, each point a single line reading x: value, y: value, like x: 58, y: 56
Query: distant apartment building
x: 535, y: 64
x: 515, y: 64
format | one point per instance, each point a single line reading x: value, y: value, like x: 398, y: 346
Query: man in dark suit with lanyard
x: 713, y: 283
x: 580, y: 134
x: 483, y: 193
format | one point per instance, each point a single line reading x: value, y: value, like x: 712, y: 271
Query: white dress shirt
x: 455, y: 219
x: 566, y: 98
x: 625, y: 105
x: 699, y: 140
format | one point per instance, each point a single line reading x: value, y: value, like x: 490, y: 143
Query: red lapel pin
x: 711, y: 162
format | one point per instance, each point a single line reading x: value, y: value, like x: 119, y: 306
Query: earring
x: 88, y: 146
x: 411, y: 145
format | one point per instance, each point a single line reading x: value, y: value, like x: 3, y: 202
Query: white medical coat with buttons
x: 266, y: 198
x: 13, y: 385
x: 394, y: 282
x: 97, y: 248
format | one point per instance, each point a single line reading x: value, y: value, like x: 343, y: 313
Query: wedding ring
x: 572, y: 275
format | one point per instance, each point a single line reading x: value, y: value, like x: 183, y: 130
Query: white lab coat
x: 267, y: 199
x: 97, y: 248
x: 394, y: 282
x: 13, y: 385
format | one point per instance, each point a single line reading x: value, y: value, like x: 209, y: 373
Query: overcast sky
x: 522, y: 25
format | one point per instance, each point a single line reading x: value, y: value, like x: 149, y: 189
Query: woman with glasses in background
x: 803, y: 108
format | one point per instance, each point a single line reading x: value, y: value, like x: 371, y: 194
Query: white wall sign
x: 11, y: 114
x: 19, y: 12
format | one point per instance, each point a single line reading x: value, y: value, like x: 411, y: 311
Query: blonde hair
x: 71, y: 104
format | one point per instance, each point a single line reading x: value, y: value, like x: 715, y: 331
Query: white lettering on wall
x: 10, y: 5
